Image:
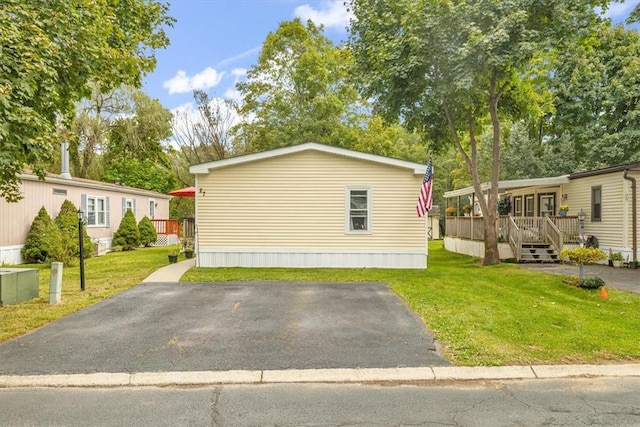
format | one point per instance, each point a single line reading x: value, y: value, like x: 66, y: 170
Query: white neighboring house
x: 309, y: 205
x: 104, y: 204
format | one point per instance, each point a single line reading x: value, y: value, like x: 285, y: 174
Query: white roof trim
x: 205, y: 168
x: 512, y: 184
x: 94, y: 185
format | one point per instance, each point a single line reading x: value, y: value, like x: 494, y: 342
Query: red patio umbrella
x: 184, y: 192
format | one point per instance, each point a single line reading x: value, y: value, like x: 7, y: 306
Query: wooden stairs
x: 538, y: 252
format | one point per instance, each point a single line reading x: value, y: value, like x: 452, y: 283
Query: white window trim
x: 106, y: 211
x: 152, y: 214
x: 347, y: 210
x: 126, y: 201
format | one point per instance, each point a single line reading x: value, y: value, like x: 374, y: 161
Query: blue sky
x: 214, y: 42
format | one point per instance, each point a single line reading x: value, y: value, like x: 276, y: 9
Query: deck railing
x: 569, y: 227
x: 166, y: 226
x: 188, y: 228
x: 556, y: 230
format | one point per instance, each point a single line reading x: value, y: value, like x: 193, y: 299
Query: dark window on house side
x: 596, y: 203
x: 59, y: 192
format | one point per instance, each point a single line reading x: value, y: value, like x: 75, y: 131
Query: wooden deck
x: 522, y: 233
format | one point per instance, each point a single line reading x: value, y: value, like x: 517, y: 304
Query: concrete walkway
x: 171, y: 272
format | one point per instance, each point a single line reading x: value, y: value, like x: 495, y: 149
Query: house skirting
x: 11, y: 255
x: 310, y: 258
x: 475, y: 248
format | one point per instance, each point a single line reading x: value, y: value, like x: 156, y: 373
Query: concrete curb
x: 366, y: 375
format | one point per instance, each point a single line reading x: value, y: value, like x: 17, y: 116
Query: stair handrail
x: 553, y: 235
x: 515, y: 238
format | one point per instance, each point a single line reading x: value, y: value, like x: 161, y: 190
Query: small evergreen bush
x: 148, y: 234
x: 67, y: 222
x: 128, y: 235
x: 43, y: 240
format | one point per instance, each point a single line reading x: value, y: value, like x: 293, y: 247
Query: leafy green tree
x: 391, y: 140
x: 141, y: 135
x: 67, y: 223
x: 300, y: 91
x: 135, y: 152
x: 89, y: 131
x: 43, y: 240
x: 145, y: 174
x: 597, y: 101
x: 148, y: 234
x: 51, y: 51
x: 448, y: 67
x: 127, y: 236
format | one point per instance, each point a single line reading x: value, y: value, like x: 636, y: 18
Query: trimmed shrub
x: 128, y: 235
x: 591, y: 283
x: 43, y: 240
x: 67, y: 222
x: 584, y: 255
x: 148, y: 234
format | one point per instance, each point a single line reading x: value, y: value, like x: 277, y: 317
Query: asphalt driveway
x: 157, y: 327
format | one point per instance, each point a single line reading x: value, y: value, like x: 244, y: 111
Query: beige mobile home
x: 309, y: 205
x: 103, y: 203
x: 608, y: 199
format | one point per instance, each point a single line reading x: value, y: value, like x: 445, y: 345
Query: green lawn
x: 104, y: 276
x: 498, y: 315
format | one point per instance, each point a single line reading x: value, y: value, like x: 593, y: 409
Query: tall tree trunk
x: 491, y: 252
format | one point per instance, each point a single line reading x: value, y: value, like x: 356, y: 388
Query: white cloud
x: 331, y: 14
x: 239, y: 73
x: 182, y: 83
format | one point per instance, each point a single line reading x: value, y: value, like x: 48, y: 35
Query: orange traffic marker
x: 603, y: 293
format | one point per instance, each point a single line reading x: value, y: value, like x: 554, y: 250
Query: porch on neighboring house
x: 527, y: 239
x: 173, y: 232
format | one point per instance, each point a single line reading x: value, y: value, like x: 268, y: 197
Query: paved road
x: 159, y: 327
x: 575, y: 402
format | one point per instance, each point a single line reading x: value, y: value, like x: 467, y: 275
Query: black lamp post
x: 81, y: 240
x: 581, y: 215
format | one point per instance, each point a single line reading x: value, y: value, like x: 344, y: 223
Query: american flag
x: 425, y: 200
